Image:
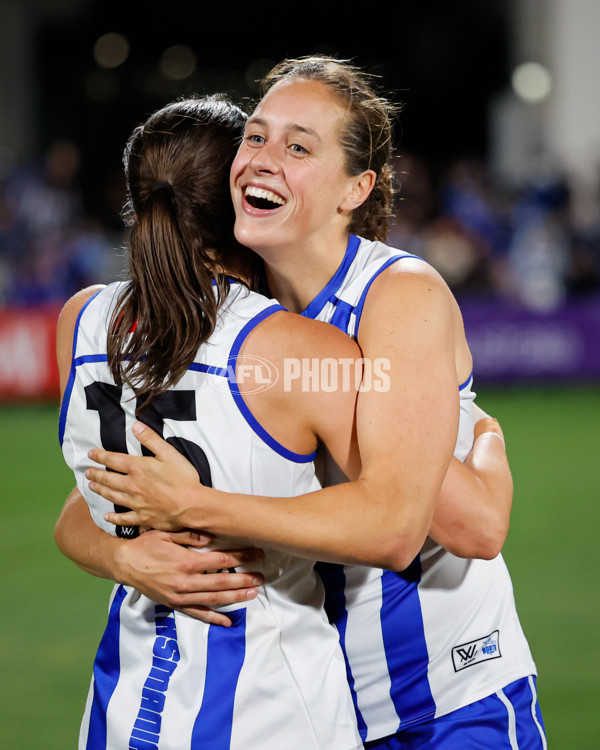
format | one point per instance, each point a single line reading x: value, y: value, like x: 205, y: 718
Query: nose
x: 266, y: 159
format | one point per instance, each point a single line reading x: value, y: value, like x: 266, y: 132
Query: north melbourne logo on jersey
x: 474, y: 652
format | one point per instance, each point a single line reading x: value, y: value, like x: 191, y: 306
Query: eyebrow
x: 291, y: 126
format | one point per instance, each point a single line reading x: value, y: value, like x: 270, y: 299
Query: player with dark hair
x: 436, y: 655
x: 166, y: 347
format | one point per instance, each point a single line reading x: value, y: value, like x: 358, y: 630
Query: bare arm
x: 406, y: 435
x: 159, y: 564
x: 472, y: 515
x: 406, y: 440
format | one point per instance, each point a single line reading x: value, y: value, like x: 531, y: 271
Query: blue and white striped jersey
x: 162, y: 679
x: 443, y: 633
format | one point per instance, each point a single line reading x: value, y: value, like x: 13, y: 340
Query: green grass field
x: 54, y: 614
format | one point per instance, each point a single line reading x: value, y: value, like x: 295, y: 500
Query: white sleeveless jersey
x: 443, y: 633
x: 162, y: 679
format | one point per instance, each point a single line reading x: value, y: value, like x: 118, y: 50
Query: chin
x: 255, y: 239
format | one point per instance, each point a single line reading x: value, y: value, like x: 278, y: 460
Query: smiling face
x: 289, y: 182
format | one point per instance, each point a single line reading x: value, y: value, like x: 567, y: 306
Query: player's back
x: 277, y: 675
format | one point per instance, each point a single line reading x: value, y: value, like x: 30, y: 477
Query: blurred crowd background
x: 49, y: 245
x: 529, y: 244
x: 498, y: 139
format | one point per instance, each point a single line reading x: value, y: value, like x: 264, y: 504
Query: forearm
x: 160, y: 565
x: 351, y: 523
x: 472, y: 514
x: 84, y: 543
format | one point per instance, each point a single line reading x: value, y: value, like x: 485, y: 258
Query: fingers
x: 212, y: 590
x: 135, y: 517
x: 213, y: 579
x: 217, y: 592
x: 190, y: 538
x: 152, y: 440
x: 206, y: 615
x: 126, y: 463
x: 227, y: 559
x: 131, y: 518
x: 488, y: 425
x: 479, y: 413
x: 107, y: 480
x: 115, y: 461
x: 222, y: 588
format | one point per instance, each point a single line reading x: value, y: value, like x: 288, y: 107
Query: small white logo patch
x: 474, y: 652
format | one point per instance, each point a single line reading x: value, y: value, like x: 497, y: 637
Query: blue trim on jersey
x: 329, y: 290
x: 404, y: 640
x: 222, y: 372
x: 341, y: 315
x: 467, y: 382
x: 87, y: 358
x: 239, y: 399
x: 196, y: 366
x: 225, y: 653
x: 334, y: 583
x: 106, y: 674
x: 361, y: 302
x: 62, y: 419
x: 230, y: 279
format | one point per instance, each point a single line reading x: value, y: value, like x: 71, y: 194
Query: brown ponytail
x: 181, y: 234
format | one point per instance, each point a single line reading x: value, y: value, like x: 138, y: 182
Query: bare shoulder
x: 72, y: 307
x: 66, y: 328
x: 412, y: 296
x: 314, y: 373
x: 406, y: 295
x: 286, y: 334
x: 408, y: 282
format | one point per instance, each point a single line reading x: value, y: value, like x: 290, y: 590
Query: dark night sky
x: 441, y: 59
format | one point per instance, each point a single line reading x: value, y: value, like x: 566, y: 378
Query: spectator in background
x: 535, y: 246
x: 457, y: 226
x: 415, y: 203
x: 48, y: 246
x: 539, y: 249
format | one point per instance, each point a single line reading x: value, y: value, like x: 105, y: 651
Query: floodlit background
x: 498, y: 145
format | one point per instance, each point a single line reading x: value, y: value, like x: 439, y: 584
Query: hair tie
x: 164, y: 185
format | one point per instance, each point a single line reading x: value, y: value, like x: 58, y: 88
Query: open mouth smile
x: 261, y: 199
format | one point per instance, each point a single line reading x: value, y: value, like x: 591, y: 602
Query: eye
x: 298, y: 149
x: 254, y: 139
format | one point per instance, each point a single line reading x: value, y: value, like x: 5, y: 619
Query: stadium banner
x: 510, y: 343
x: 28, y: 369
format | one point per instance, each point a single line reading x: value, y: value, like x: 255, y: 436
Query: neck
x: 233, y: 262
x: 296, y: 278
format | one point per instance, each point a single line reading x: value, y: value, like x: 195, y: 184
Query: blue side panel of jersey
x: 341, y: 315
x: 405, y: 644
x: 334, y: 583
x: 226, y: 651
x: 106, y: 674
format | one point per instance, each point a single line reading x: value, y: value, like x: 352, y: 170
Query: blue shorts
x: 507, y: 720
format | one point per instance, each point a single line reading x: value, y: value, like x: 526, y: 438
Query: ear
x: 360, y: 189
